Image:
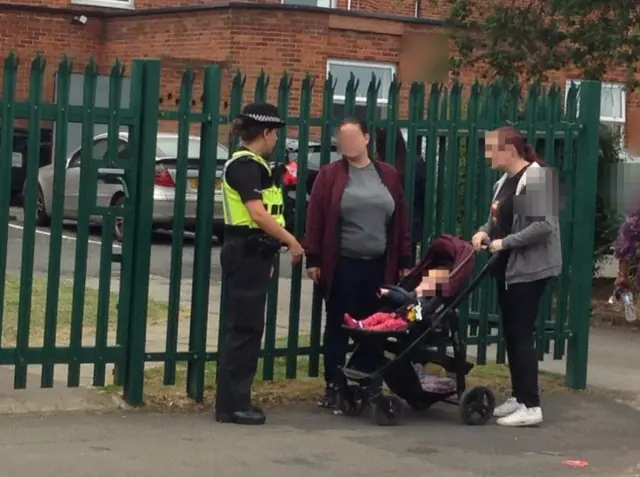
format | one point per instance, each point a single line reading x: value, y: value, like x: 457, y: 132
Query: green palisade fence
x: 445, y: 127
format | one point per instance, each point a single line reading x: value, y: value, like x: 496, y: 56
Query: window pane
x: 342, y: 72
x: 223, y: 152
x: 100, y: 149
x: 612, y: 101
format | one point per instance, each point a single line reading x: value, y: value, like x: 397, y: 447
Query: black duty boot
x: 251, y: 417
x: 330, y: 398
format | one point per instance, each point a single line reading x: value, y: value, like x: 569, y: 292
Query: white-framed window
x: 613, y: 106
x: 312, y: 3
x: 341, y: 71
x: 126, y: 4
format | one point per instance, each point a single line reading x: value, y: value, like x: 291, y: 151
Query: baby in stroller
x: 408, y: 306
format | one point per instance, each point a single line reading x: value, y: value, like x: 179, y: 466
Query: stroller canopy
x: 446, y: 251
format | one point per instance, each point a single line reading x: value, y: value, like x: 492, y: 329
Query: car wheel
x: 118, y: 223
x: 42, y: 218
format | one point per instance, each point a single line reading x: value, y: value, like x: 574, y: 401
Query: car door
x: 72, y: 184
x: 111, y: 185
x: 72, y: 188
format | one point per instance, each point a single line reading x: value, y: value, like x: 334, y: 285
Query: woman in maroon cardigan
x: 357, y: 238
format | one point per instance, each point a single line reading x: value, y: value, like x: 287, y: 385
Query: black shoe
x: 330, y: 398
x: 252, y: 417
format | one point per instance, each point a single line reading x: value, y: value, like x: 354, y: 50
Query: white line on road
x: 67, y: 237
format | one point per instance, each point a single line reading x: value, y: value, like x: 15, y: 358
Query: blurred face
x: 352, y: 142
x: 497, y: 152
x: 439, y: 275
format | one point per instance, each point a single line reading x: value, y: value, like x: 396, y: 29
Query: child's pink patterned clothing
x: 378, y: 321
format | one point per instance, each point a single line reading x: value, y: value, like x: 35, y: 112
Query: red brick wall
x: 53, y: 36
x: 250, y: 39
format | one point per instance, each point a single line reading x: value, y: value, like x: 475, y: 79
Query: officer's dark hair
x: 247, y: 129
x: 356, y: 122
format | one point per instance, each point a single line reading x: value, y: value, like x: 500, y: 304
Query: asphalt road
x: 160, y: 252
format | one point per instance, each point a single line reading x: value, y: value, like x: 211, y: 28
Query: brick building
x: 364, y: 36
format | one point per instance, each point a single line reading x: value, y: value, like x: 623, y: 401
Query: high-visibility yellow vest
x: 235, y: 212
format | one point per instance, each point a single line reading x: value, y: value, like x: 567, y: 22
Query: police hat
x: 262, y: 113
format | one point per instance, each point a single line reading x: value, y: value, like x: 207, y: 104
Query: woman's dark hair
x: 246, y: 129
x: 400, y: 149
x: 510, y: 135
x: 356, y: 122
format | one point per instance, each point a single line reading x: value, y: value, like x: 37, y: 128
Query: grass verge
x: 157, y: 311
x: 305, y: 389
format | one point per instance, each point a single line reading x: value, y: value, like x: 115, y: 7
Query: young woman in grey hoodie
x: 523, y: 228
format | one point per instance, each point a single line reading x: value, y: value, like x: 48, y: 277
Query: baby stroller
x: 399, y: 353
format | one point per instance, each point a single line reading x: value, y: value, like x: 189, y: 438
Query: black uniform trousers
x: 245, y: 278
x: 519, y: 305
x: 355, y: 291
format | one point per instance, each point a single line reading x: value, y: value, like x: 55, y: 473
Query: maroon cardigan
x: 322, y: 236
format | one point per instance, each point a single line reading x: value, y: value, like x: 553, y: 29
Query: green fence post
x: 566, y: 219
x: 271, y: 323
x: 148, y: 73
x: 63, y: 86
x: 177, y: 239
x: 7, y: 115
x: 586, y: 174
x: 371, y: 109
x: 315, y: 335
x: 306, y: 96
x: 86, y: 200
x: 202, y: 250
x: 235, y: 107
x: 428, y: 223
x: 108, y: 222
x: 36, y: 85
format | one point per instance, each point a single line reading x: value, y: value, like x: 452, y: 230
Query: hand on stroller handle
x: 491, y: 246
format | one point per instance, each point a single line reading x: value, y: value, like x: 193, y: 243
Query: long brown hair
x: 510, y: 135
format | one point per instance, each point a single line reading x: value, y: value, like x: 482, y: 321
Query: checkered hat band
x: 262, y: 118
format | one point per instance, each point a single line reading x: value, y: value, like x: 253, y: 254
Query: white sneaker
x: 523, y: 417
x: 510, y: 406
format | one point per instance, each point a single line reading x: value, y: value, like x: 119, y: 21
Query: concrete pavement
x: 310, y: 443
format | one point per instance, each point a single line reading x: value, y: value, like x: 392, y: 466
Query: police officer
x: 254, y: 233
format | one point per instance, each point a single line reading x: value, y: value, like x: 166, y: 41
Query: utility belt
x: 256, y: 242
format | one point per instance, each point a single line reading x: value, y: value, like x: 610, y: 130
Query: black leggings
x: 354, y: 291
x: 519, y: 305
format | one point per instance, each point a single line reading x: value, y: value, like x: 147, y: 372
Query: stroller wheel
x: 477, y: 405
x: 351, y: 401
x: 387, y: 410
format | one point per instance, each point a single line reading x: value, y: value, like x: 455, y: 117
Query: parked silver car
x: 112, y: 193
